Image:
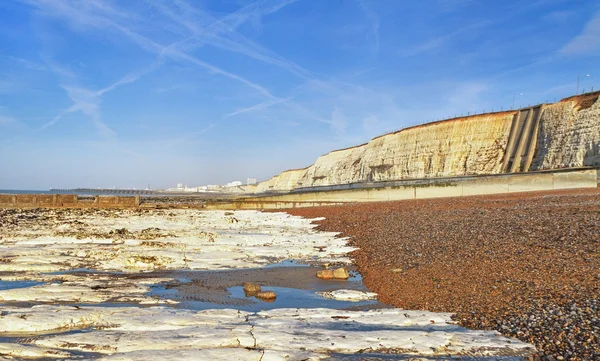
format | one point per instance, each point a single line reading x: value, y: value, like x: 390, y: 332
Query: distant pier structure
x: 105, y: 191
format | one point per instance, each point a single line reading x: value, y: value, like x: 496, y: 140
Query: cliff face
x: 568, y: 136
x: 285, y: 181
x: 473, y: 145
x: 337, y: 167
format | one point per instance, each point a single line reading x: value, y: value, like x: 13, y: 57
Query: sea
x: 21, y: 191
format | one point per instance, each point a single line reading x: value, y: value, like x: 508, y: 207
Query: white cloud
x: 586, y: 42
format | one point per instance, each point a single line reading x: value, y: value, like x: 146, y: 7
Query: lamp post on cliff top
x: 587, y: 75
x: 513, y: 104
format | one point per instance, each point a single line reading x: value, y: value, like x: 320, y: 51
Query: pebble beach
x: 526, y: 265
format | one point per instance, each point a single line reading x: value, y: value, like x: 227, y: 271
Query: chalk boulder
x: 266, y: 295
x: 340, y: 274
x: 250, y: 287
x: 326, y: 274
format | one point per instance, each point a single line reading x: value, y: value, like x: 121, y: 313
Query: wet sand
x: 527, y: 265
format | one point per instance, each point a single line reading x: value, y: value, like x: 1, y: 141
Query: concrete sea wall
x: 420, y: 189
x: 548, y: 136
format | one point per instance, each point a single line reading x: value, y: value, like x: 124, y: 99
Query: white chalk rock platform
x: 192, y: 240
x: 131, y: 333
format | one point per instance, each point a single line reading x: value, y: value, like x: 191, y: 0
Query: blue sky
x: 104, y: 93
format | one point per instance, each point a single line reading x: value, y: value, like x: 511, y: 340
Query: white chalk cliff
x: 568, y: 136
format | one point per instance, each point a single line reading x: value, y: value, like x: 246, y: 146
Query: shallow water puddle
x: 295, y: 298
x: 287, y: 263
x: 10, y: 285
x: 295, y: 285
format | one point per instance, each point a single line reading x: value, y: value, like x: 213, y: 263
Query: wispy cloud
x: 453, y: 5
x: 189, y: 136
x: 338, y: 120
x: 559, y: 16
x: 160, y: 90
x: 374, y: 21
x: 586, y: 42
x: 199, y: 28
x: 259, y: 106
x: 131, y: 77
x: 222, y: 34
x: 174, y: 51
x: 532, y: 64
x: 58, y: 69
x: 88, y: 103
x: 84, y: 15
x: 27, y: 63
x: 439, y: 41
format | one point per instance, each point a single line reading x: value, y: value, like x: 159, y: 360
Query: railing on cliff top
x: 483, y: 112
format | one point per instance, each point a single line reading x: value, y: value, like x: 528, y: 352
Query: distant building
x: 250, y: 181
x: 233, y: 184
x: 180, y: 188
